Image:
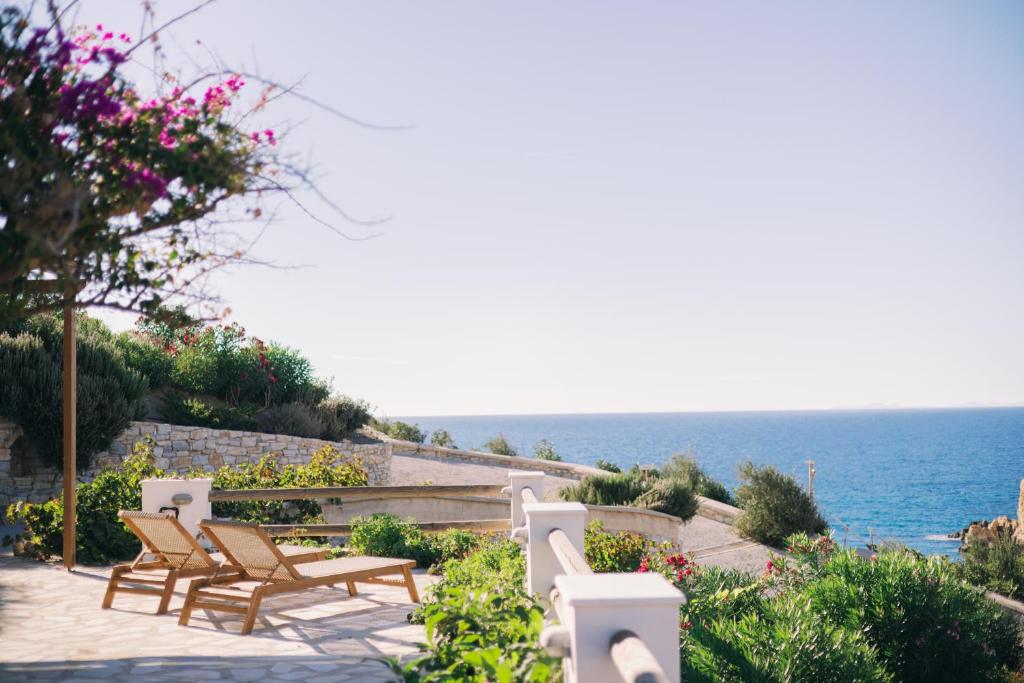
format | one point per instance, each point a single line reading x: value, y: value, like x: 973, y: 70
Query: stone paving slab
x: 718, y: 544
x: 52, y: 629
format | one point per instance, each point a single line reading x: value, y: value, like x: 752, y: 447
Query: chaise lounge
x: 175, y: 555
x: 250, y: 549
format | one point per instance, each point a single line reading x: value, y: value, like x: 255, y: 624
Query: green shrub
x: 385, y: 535
x: 774, y: 506
x: 481, y: 623
x: 788, y: 642
x: 180, y: 410
x: 686, y: 469
x: 611, y: 489
x: 147, y: 356
x: 342, y: 416
x: 607, y: 466
x: 399, y: 430
x: 996, y: 565
x: 293, y: 419
x: 326, y: 467
x: 671, y: 497
x: 442, y: 438
x: 109, y: 394
x: 613, y: 552
x: 545, y: 450
x: 101, y: 536
x: 499, y: 445
x: 925, y: 623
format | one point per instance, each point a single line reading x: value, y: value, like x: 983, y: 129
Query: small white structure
x: 188, y: 498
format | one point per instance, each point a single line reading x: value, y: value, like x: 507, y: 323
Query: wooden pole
x: 810, y: 478
x: 70, y: 426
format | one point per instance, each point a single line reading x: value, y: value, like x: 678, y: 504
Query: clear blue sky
x: 646, y: 206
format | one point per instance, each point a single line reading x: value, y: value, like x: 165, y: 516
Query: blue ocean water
x: 901, y: 475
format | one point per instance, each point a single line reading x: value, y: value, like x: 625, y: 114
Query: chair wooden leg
x: 410, y: 584
x: 351, y: 587
x: 250, y: 615
x: 190, y: 598
x: 115, y: 575
x: 165, y: 599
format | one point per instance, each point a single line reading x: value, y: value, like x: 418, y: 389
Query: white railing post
x: 542, y: 565
x: 600, y: 608
x: 519, y: 481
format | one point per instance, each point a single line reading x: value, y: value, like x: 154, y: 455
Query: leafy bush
x: 101, y: 536
x: 109, y: 394
x: 146, y: 356
x: 671, y: 497
x: 326, y: 467
x: 545, y: 450
x: 612, y: 489
x: 385, y: 535
x: 686, y: 469
x: 294, y: 419
x: 788, y: 642
x: 400, y: 430
x: 925, y: 623
x: 442, y: 438
x: 613, y: 552
x: 774, y: 506
x: 499, y: 445
x: 481, y: 623
x: 180, y: 410
x: 607, y: 466
x: 342, y: 416
x: 997, y: 565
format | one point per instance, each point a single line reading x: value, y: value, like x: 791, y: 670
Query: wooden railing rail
x: 353, y: 493
x: 482, y: 526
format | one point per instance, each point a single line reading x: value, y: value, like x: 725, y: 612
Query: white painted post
x: 160, y: 493
x: 542, y: 564
x: 595, y: 607
x: 519, y: 481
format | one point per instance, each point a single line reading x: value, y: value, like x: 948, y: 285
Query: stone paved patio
x: 52, y: 629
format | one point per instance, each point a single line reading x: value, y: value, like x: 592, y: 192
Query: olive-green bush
x: 686, y: 469
x: 635, y: 489
x: 997, y: 565
x: 109, y: 394
x: 774, y: 506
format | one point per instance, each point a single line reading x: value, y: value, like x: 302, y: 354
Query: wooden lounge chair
x: 174, y: 554
x: 250, y: 549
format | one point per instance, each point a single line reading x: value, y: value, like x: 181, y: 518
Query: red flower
x: 686, y: 625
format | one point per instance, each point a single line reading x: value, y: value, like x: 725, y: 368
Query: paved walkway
x: 718, y: 544
x: 52, y: 629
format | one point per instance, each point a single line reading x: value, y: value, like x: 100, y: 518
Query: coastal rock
x: 1018, y: 535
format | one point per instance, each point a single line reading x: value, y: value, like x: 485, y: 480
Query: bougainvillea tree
x: 108, y: 196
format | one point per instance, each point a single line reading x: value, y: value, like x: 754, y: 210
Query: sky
x: 643, y: 206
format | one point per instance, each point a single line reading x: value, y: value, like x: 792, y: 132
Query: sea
x: 905, y: 476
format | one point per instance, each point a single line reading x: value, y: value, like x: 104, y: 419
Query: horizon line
x: 856, y: 409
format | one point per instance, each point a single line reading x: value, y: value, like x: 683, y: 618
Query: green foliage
x: 669, y: 496
x: 179, y: 410
x: 326, y: 467
x: 294, y: 419
x: 686, y: 469
x: 607, y: 466
x: 102, y: 538
x: 109, y: 395
x: 385, y: 535
x: 545, y: 450
x: 613, y: 552
x: 442, y: 438
x: 774, y: 506
x: 342, y: 416
x: 400, y: 430
x: 788, y: 642
x: 499, y: 445
x: 997, y: 565
x: 635, y: 489
x: 146, y: 356
x: 925, y: 623
x: 611, y: 489
x: 481, y: 624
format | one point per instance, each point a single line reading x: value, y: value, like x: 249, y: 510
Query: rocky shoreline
x: 985, y: 531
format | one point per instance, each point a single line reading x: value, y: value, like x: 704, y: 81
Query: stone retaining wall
x: 180, y: 449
